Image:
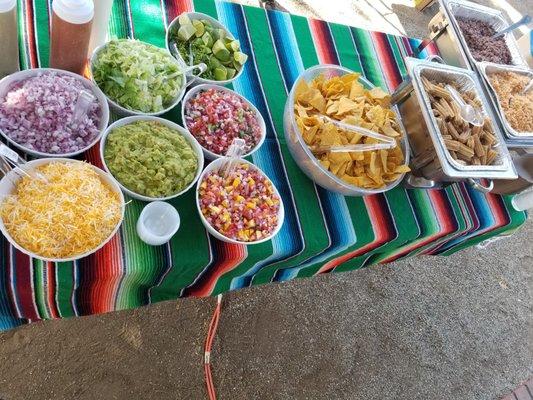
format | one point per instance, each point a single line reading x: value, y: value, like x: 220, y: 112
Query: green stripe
x: 117, y: 27
x: 190, y: 251
x: 366, y: 51
x: 147, y: 17
x: 397, y: 55
x: 39, y: 289
x: 64, y: 288
x: 344, y: 43
x: 206, y: 7
x: 42, y: 32
x: 309, y: 213
x: 24, y: 61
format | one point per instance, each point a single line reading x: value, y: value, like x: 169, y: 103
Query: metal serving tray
x: 466, y: 9
x: 431, y: 158
x: 486, y: 69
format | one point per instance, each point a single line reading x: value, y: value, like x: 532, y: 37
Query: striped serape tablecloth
x: 323, y: 231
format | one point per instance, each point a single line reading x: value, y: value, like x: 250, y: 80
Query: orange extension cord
x: 207, y: 349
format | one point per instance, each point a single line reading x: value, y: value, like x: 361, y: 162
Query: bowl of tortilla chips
x: 324, y: 98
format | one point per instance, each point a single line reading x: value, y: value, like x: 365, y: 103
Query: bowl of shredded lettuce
x: 137, y: 77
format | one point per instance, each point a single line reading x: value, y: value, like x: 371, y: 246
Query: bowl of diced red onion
x: 241, y: 206
x: 216, y: 115
x: 38, y: 112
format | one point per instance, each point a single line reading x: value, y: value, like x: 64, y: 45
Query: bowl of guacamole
x: 151, y: 158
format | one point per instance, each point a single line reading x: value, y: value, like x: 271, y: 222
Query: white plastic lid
x: 7, y: 5
x: 74, y: 11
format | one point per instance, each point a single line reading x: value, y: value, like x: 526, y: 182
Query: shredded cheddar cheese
x: 70, y: 214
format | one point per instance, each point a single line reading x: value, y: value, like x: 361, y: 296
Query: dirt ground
x: 434, y: 328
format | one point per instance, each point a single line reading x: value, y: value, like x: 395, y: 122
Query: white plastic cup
x: 523, y: 201
x: 158, y: 222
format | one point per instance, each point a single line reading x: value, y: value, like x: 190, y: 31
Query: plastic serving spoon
x: 233, y: 155
x: 84, y: 101
x: 468, y: 113
x: 11, y: 160
x: 526, y: 19
x: 528, y: 87
x: 188, y: 70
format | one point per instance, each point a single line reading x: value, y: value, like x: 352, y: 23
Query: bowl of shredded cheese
x: 64, y: 211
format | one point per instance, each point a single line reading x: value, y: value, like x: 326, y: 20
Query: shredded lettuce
x: 137, y: 75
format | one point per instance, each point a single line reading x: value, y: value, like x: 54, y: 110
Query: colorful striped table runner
x: 323, y: 231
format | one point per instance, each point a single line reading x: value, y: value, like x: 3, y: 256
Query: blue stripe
x: 483, y: 212
x: 337, y: 216
x: 8, y: 319
x: 290, y: 239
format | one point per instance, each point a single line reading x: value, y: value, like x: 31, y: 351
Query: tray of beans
x: 47, y: 112
x: 194, y: 38
x: 463, y: 30
x: 239, y: 204
x: 215, y: 116
x: 457, y: 139
x: 507, y: 90
x: 475, y: 26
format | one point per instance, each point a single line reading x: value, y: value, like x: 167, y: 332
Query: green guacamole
x: 150, y: 158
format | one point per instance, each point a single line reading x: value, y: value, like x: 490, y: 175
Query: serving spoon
x: 526, y: 19
x: 467, y: 112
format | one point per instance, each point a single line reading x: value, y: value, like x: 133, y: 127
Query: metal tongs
x: 386, y: 141
x: 11, y: 161
x: 233, y: 155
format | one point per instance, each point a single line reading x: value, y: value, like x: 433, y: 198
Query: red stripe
x: 386, y: 59
x: 229, y: 256
x: 24, y: 286
x: 34, y: 63
x: 379, y: 215
x: 51, y: 286
x: 444, y: 218
x: 323, y: 41
x: 176, y: 7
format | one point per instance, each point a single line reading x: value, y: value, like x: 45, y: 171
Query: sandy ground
x: 426, y: 328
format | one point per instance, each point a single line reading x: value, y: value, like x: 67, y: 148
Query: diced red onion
x: 38, y: 113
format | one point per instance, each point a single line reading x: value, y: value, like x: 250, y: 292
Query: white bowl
x: 9, y: 80
x: 216, y: 24
x: 124, y: 112
x: 281, y: 213
x: 206, y: 86
x: 7, y: 187
x: 190, y: 138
